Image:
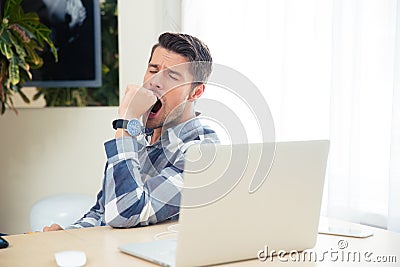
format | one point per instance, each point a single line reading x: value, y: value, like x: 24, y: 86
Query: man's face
x: 169, y: 78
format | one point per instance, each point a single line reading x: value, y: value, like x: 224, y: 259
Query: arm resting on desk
x: 125, y: 201
x: 93, y: 217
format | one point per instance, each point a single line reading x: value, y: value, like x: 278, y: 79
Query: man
x: 143, y: 178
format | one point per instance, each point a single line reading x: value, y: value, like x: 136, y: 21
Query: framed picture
x: 75, y: 31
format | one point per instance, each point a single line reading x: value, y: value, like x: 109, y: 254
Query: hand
x: 53, y: 227
x: 136, y: 101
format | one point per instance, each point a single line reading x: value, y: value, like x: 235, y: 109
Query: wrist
x: 125, y: 127
x: 121, y: 133
x: 129, y: 116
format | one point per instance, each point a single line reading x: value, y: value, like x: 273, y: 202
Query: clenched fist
x: 136, y: 102
x: 53, y: 227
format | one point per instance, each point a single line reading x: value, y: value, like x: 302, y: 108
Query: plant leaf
x: 23, y: 96
x: 33, y: 59
x: 31, y: 18
x: 5, y: 47
x: 10, y: 4
x: 40, y: 33
x: 18, y: 48
x: 38, y: 94
x: 27, y: 31
x: 13, y: 71
x: 25, y: 66
x: 11, y: 105
x: 4, y: 37
x: 3, y: 107
x: 3, y: 97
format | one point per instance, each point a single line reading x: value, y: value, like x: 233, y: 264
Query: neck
x: 155, y: 136
x: 159, y: 131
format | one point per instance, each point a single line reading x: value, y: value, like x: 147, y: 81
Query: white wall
x: 138, y: 27
x: 139, y: 24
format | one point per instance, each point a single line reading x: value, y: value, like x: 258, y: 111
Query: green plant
x: 64, y: 97
x: 21, y: 37
x: 108, y: 93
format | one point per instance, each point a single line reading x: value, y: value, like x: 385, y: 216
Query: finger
x: 131, y: 89
x: 128, y: 89
x: 153, y: 99
x: 143, y: 89
x: 56, y: 227
x: 150, y: 94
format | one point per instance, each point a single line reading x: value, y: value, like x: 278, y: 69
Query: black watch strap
x: 119, y: 123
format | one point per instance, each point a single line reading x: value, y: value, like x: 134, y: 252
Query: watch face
x: 134, y: 127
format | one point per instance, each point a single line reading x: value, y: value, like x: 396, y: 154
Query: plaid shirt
x: 142, y: 182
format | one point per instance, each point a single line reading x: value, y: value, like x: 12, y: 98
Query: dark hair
x: 190, y: 47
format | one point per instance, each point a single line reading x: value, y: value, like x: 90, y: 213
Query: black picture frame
x: 76, y: 33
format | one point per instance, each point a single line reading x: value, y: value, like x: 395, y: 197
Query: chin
x: 154, y: 123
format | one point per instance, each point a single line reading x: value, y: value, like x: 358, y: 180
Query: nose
x: 155, y: 82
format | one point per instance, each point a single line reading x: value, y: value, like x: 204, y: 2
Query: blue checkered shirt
x: 142, y: 182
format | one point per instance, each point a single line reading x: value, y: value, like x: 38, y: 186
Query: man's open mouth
x: 157, y: 106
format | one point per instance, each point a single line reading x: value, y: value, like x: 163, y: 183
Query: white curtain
x: 328, y: 70
x: 394, y: 179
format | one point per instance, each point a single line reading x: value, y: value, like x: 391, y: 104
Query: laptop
x: 240, y: 199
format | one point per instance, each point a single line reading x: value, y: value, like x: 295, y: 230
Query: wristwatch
x: 133, y: 126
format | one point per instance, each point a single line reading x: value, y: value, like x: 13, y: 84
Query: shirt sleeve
x: 93, y: 217
x: 128, y: 201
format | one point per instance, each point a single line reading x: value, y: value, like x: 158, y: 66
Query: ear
x: 196, y: 92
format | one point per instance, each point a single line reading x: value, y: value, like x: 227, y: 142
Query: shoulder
x: 197, y: 130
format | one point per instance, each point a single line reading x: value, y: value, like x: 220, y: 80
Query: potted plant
x: 22, y: 37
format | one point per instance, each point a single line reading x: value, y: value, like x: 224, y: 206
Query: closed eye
x: 153, y: 68
x: 173, y: 77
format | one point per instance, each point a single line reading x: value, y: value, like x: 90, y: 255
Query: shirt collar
x: 179, y: 132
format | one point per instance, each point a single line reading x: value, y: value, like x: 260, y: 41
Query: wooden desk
x: 101, y: 247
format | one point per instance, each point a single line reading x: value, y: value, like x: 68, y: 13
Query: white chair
x: 63, y: 209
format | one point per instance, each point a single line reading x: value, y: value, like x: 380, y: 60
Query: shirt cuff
x: 71, y: 227
x: 121, y: 149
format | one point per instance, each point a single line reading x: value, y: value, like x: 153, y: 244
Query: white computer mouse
x: 70, y: 258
